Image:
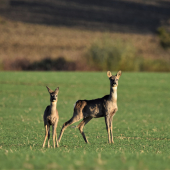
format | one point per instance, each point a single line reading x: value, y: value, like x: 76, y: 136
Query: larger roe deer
x: 51, y: 117
x: 101, y: 107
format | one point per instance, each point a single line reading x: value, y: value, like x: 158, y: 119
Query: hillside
x: 35, y: 30
x: 135, y: 16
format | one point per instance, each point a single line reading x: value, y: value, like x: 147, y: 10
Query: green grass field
x: 141, y: 127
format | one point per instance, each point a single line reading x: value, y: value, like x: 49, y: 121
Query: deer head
x: 53, y: 94
x: 114, y: 79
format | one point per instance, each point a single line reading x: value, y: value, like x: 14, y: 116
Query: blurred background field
x: 131, y: 35
x: 141, y: 126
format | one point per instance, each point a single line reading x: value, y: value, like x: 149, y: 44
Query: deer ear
x: 109, y: 74
x: 119, y: 73
x: 49, y: 90
x: 57, y: 89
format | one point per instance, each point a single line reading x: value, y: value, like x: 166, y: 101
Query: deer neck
x: 113, y: 94
x: 53, y: 107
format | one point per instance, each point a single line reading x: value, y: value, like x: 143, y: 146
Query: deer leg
x: 111, y: 133
x: 54, y: 135
x: 46, y: 134
x: 48, y: 129
x: 108, y: 127
x: 81, y: 125
x: 57, y: 145
x: 68, y: 123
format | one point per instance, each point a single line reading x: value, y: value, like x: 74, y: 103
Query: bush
x: 158, y: 65
x: 108, y: 54
x: 49, y: 64
x: 46, y: 64
x: 164, y: 36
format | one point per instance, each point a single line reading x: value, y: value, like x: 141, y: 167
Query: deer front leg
x: 48, y: 129
x: 81, y: 125
x: 54, y: 136
x: 108, y: 127
x: 111, y: 133
x: 46, y: 134
x: 57, y: 145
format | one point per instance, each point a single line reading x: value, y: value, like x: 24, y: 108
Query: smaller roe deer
x: 102, y: 107
x: 51, y: 117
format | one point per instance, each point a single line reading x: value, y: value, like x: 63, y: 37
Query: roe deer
x: 51, y: 117
x: 101, y: 107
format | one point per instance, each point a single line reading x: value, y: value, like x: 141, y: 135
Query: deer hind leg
x: 46, y: 134
x: 68, y: 123
x: 81, y: 125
